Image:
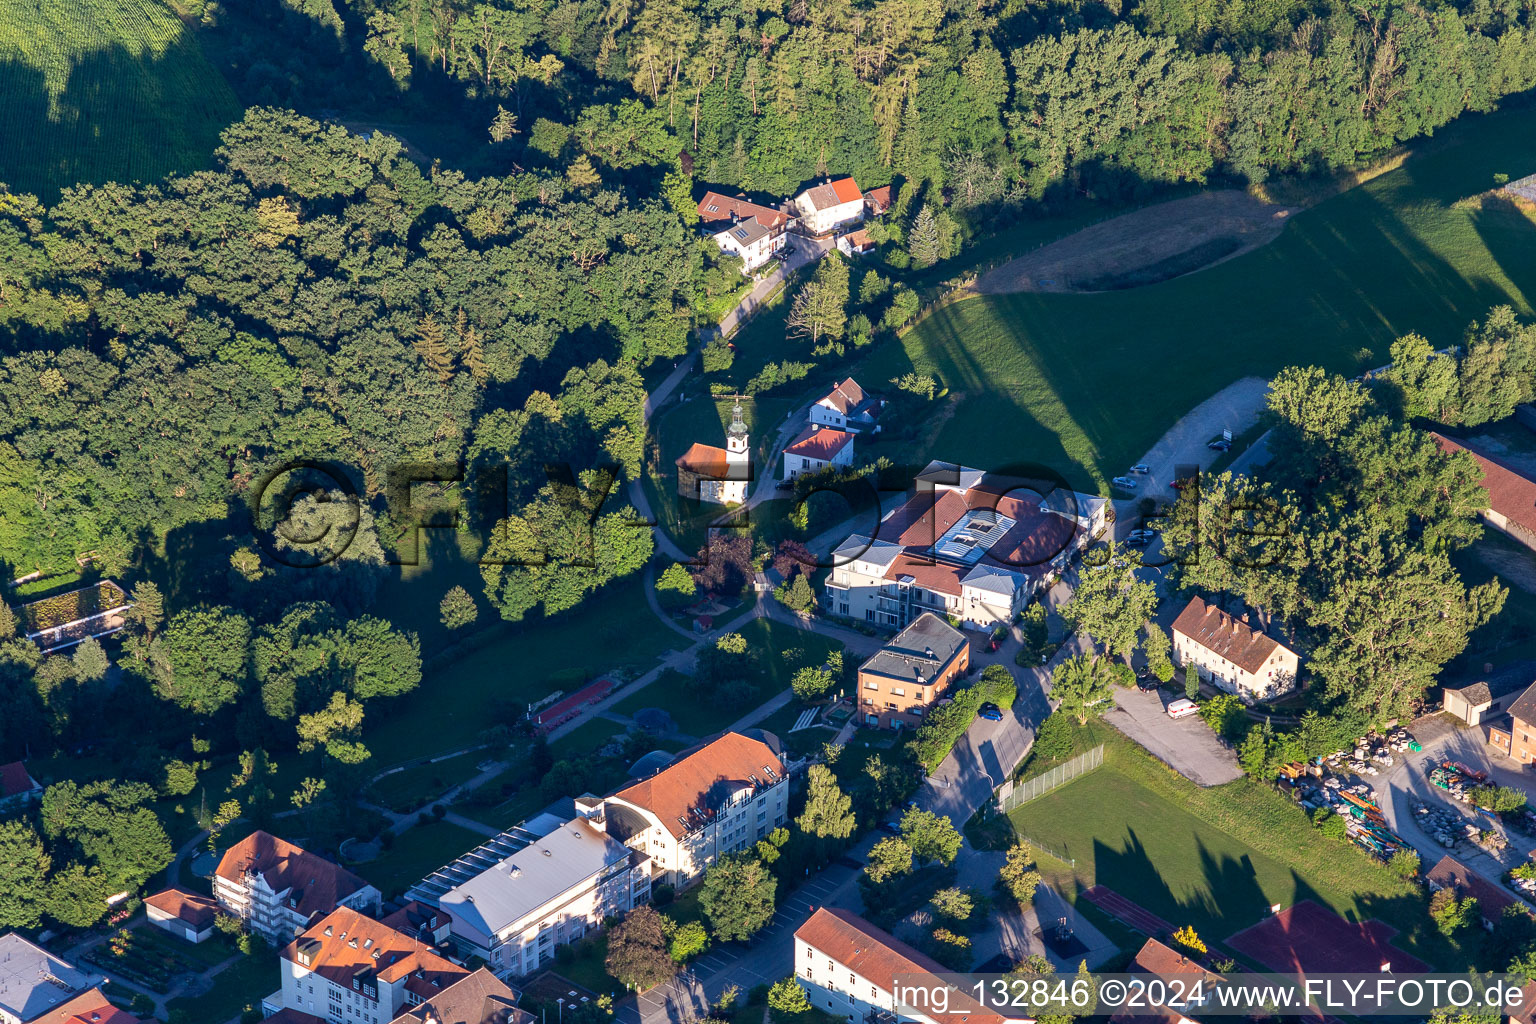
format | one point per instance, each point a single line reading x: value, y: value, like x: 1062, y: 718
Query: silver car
x: 1125, y: 483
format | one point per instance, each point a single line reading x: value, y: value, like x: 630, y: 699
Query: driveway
x: 1187, y: 745
x: 1235, y: 407
x: 807, y: 250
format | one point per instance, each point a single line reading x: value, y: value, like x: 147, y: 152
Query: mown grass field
x: 103, y: 90
x: 1086, y: 383
x: 1213, y: 858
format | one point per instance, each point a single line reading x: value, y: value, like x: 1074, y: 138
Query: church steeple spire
x: 736, y: 434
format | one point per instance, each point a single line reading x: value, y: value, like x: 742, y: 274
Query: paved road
x: 1235, y: 407
x: 1187, y: 745
x: 807, y: 250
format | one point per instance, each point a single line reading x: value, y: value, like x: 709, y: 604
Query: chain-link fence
x: 1013, y: 794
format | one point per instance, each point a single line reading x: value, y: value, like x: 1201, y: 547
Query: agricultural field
x: 1215, y: 858
x: 1085, y: 383
x: 104, y: 90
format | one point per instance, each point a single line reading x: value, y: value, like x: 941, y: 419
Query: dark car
x: 991, y: 712
x: 889, y: 826
x: 1147, y: 683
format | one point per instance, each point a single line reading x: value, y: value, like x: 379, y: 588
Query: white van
x: 1183, y: 708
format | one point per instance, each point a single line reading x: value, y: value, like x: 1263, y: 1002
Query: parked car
x: 890, y: 827
x: 1183, y: 708
x: 1147, y: 684
x: 1125, y: 483
x: 991, y: 712
x: 1136, y: 542
x: 1141, y: 468
x: 1219, y: 445
x: 1142, y: 533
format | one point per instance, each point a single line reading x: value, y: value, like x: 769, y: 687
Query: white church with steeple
x: 718, y: 475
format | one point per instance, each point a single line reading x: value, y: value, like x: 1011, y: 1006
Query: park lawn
x: 1084, y: 384
x: 237, y: 988
x: 104, y: 90
x: 517, y: 664
x: 416, y: 853
x: 411, y: 787
x: 1214, y: 858
x: 586, y: 737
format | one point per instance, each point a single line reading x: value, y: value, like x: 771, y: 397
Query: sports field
x: 1216, y: 858
x: 103, y: 90
x: 1086, y: 383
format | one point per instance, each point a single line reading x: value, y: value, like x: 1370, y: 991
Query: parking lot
x: 1187, y: 745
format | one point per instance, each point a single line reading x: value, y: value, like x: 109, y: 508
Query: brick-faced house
x: 278, y: 888
x: 1514, y: 734
x: 901, y: 681
x: 1511, y: 494
x: 1230, y: 654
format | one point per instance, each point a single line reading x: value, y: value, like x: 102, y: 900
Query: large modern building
x: 278, y: 888
x: 901, y: 681
x: 965, y: 544
x: 717, y: 799
x: 350, y: 969
x: 37, y: 987
x: 1230, y: 654
x: 515, y: 913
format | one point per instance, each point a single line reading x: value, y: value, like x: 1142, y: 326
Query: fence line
x: 1047, y: 848
x: 1014, y: 794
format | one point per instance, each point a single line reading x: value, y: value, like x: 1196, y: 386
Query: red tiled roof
x: 937, y: 577
x: 879, y: 957
x: 14, y: 779
x: 1450, y: 873
x: 89, y: 1007
x: 198, y: 911
x: 287, y: 1016
x: 317, y: 883
x: 879, y: 198
x: 1035, y: 538
x: 480, y: 998
x: 715, y: 206
x: 690, y: 783
x: 823, y: 443
x: 859, y: 239
x: 1220, y: 633
x: 356, y: 941
x: 1510, y: 493
x: 1156, y: 958
x: 705, y: 460
x: 835, y: 193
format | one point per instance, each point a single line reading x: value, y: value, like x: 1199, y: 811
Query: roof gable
x: 1510, y: 493
x: 1225, y: 636
x: 825, y: 443
x: 317, y: 884
x: 14, y: 780
x: 686, y: 794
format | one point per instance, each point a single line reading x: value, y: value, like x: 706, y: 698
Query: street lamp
x: 560, y: 1002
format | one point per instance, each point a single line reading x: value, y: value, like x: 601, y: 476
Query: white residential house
x: 278, y: 888
x: 515, y: 913
x: 750, y: 240
x: 826, y: 207
x: 848, y: 407
x: 717, y: 799
x: 187, y: 915
x: 753, y: 231
x: 815, y: 449
x: 348, y: 968
x: 1230, y: 654
x: 849, y: 968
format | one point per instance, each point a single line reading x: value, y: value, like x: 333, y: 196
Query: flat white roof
x: 33, y: 980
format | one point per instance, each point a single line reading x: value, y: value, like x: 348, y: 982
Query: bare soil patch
x: 1157, y: 243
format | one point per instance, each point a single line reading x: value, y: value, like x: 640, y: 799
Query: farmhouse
x: 351, y: 969
x: 1514, y: 734
x: 278, y: 888
x: 1511, y: 494
x: 826, y: 207
x: 718, y: 475
x: 901, y: 681
x: 848, y: 407
x: 557, y: 889
x: 1230, y: 654
x: 17, y: 787
x: 965, y: 544
x: 718, y: 798
x: 1488, y: 696
x: 1492, y: 900
x: 816, y: 448
x: 184, y: 914
x: 849, y: 968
